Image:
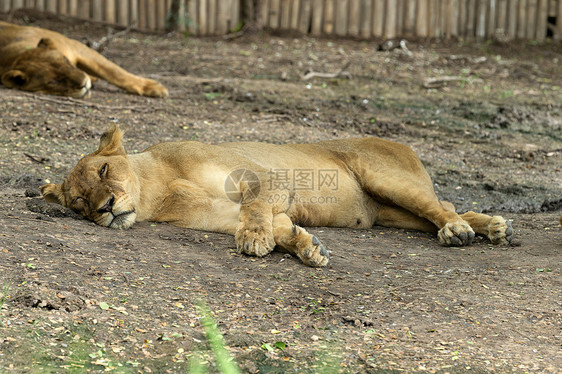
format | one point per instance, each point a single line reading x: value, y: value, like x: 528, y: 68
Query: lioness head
x: 44, y: 69
x: 101, y: 186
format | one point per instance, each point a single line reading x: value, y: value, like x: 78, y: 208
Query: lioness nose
x: 107, y: 207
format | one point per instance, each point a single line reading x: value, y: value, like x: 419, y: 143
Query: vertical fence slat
x: 531, y: 19
x: 134, y: 13
x: 390, y: 20
x: 442, y: 16
x: 305, y: 20
x: 51, y: 6
x: 421, y: 19
x: 491, y: 19
x: 366, y: 18
x: 141, y: 21
x: 433, y: 18
x: 39, y: 4
x: 399, y: 16
x: 462, y: 18
x: 378, y: 18
x: 317, y: 10
x: 62, y: 7
x: 511, y: 26
x: 183, y: 13
x: 285, y: 14
x: 109, y: 11
x: 501, y: 17
x: 354, y: 17
x: 521, y: 19
x: 410, y: 18
x: 151, y: 14
x: 450, y: 13
x: 72, y: 8
x: 84, y: 9
x: 223, y: 16
x: 122, y: 13
x: 97, y: 10
x: 328, y: 21
x: 471, y: 18
x: 211, y: 17
x: 296, y: 10
x: 191, y: 21
x: 559, y: 20
x: 340, y: 17
x: 17, y: 4
x: 160, y: 14
x: 202, y: 17
x: 274, y: 14
x: 481, y: 19
x: 542, y: 14
x: 234, y: 23
x: 263, y: 16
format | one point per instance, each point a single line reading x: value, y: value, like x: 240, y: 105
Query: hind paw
x: 456, y: 234
x: 500, y: 231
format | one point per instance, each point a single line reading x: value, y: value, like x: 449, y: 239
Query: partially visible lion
x: 263, y: 193
x: 43, y: 61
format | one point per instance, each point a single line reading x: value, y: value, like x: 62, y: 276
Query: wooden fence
x: 509, y: 19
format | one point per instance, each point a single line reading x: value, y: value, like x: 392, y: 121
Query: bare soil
x: 77, y: 296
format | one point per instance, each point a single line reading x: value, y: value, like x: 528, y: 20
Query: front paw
x: 314, y: 253
x: 254, y: 241
x: 153, y: 89
x: 500, y: 230
x: 456, y: 234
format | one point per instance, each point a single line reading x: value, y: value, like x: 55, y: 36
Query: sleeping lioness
x: 263, y: 193
x: 39, y: 60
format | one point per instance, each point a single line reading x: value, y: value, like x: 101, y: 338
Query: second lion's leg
x: 296, y: 240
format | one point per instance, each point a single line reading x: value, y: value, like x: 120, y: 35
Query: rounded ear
x: 52, y: 193
x: 14, y: 79
x: 111, y: 142
x: 45, y: 43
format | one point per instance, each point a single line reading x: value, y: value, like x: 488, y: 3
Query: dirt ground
x: 76, y: 296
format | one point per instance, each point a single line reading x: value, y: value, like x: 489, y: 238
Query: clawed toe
x: 456, y: 234
x: 315, y: 255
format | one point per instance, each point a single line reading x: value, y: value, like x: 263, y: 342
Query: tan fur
x: 378, y: 183
x: 39, y: 60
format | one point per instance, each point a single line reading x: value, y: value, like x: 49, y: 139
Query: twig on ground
x: 437, y: 82
x: 341, y: 73
x: 103, y: 42
x: 41, y: 160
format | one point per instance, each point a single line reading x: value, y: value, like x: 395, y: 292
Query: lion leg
x: 95, y: 64
x: 296, y: 240
x: 393, y: 216
x: 496, y: 228
x: 413, y: 191
x: 254, y: 234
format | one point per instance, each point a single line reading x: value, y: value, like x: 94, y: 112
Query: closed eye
x: 78, y: 204
x: 77, y: 200
x: 103, y: 171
